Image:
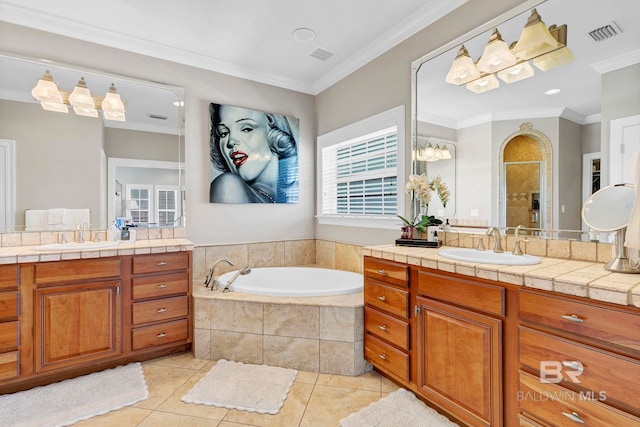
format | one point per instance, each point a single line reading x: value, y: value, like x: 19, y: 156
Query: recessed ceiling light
x: 303, y: 34
x: 178, y: 103
x: 552, y: 91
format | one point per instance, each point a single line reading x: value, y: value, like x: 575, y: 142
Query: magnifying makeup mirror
x: 609, y: 209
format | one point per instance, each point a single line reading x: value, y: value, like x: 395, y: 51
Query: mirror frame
x: 179, y: 92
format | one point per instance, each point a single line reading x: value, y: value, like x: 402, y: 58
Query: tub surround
x: 317, y: 334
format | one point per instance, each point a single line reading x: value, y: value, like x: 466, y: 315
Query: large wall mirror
x: 520, y: 147
x: 61, y: 168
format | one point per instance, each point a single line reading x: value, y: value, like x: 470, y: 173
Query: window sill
x: 361, y: 221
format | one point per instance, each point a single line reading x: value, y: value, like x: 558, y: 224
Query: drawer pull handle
x: 383, y: 327
x: 161, y: 264
x: 573, y: 365
x: 382, y: 356
x: 161, y: 335
x: 382, y: 298
x: 161, y: 310
x: 382, y: 271
x: 572, y: 318
x: 573, y: 417
x: 161, y: 286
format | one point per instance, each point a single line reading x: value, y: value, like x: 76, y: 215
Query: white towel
x: 632, y: 237
x: 36, y: 219
x: 55, y: 216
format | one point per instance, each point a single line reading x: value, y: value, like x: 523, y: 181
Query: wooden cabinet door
x: 77, y: 323
x: 460, y: 361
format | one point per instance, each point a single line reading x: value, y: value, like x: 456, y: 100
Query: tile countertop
x: 25, y: 254
x: 580, y: 278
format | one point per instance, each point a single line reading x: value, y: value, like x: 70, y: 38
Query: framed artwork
x: 254, y: 156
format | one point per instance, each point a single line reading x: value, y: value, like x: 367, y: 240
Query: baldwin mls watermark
x: 555, y: 372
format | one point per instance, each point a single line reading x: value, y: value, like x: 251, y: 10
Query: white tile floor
x: 314, y: 400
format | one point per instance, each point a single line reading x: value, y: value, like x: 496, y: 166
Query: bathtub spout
x: 244, y: 271
x: 216, y: 282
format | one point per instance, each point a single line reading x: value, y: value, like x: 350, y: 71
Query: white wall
x: 207, y: 223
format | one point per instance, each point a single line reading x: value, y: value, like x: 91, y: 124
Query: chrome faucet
x: 216, y: 283
x: 81, y: 229
x: 493, y: 231
x: 244, y: 271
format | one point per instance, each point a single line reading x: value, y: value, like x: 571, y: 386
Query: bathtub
x: 295, y: 282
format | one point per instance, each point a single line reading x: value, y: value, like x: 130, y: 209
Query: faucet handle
x: 517, y: 249
x: 480, y: 246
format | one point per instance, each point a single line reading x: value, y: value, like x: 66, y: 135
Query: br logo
x: 553, y: 372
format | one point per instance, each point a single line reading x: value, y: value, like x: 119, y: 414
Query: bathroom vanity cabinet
x: 9, y: 322
x: 475, y: 348
x: 585, y: 353
x: 73, y: 317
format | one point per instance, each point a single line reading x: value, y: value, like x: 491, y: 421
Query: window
x: 153, y: 204
x: 358, y: 169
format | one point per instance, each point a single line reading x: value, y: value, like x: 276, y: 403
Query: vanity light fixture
x: 496, y: 55
x: 81, y: 100
x: 545, y: 47
x: 433, y: 154
x: 463, y: 70
x: 52, y: 98
x: 535, y: 39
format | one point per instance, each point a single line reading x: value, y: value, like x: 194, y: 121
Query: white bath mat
x: 69, y: 401
x: 235, y: 385
x: 400, y: 408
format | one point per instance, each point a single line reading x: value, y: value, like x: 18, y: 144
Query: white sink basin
x: 488, y: 257
x: 74, y: 246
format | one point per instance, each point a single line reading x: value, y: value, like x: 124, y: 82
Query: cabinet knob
x: 382, y: 298
x: 382, y: 356
x: 573, y: 417
x: 382, y: 271
x: 161, y: 264
x: 161, y: 286
x: 161, y: 310
x: 572, y: 318
x: 161, y: 335
x: 383, y: 327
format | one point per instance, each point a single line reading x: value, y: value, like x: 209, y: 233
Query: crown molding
x: 617, y: 62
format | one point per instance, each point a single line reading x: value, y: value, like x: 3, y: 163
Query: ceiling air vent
x: 321, y: 54
x: 606, y: 32
x: 157, y: 117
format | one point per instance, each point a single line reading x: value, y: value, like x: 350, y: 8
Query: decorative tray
x: 422, y: 243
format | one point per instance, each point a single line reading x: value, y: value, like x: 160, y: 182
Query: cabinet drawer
x: 385, y: 357
x: 9, y: 304
x: 386, y: 298
x: 160, y: 286
x: 526, y: 422
x: 466, y: 293
x: 613, y: 374
x: 64, y: 271
x: 9, y: 276
x: 561, y: 407
x: 161, y: 309
x: 9, y: 365
x: 164, y: 333
x: 582, y: 318
x: 387, y: 271
x: 160, y: 262
x: 9, y: 334
x: 386, y: 327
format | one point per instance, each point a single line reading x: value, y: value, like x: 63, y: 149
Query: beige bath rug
x: 69, y: 401
x: 400, y: 408
x: 235, y: 385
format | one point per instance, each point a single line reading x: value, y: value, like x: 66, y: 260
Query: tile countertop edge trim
x: 29, y: 254
x: 399, y: 253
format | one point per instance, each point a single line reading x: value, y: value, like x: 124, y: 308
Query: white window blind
x: 167, y: 207
x: 359, y: 176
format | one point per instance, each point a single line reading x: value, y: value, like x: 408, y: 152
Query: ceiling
x: 251, y: 39
x: 580, y: 81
